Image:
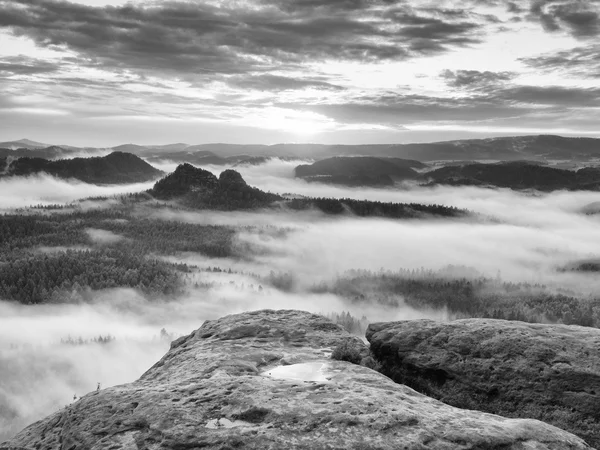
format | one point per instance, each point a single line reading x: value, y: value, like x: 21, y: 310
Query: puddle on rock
x: 215, y: 424
x: 314, y: 371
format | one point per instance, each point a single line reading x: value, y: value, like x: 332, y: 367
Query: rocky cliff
x: 199, y: 188
x: 516, y: 369
x: 265, y: 380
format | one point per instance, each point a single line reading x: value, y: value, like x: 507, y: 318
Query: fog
x: 39, y: 374
x: 18, y: 192
x: 524, y: 236
x: 102, y: 237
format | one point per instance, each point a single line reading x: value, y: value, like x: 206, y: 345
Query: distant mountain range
x: 115, y: 168
x: 516, y: 148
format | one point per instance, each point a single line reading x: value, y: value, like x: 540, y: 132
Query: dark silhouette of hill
x: 200, y: 188
x: 360, y: 170
x: 516, y: 175
x: 116, y: 168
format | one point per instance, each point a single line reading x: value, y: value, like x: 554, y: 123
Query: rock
x: 231, y: 177
x: 264, y: 380
x: 186, y: 178
x: 516, y: 369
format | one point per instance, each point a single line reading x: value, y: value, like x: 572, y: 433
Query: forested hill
x: 366, y: 208
x: 116, y: 168
x: 517, y: 175
x: 199, y: 188
x: 360, y: 170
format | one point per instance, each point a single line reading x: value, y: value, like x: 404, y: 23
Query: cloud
x: 232, y: 37
x: 579, y: 61
x: 269, y: 82
x: 579, y: 18
x: 397, y: 110
x: 103, y: 237
x: 18, y: 192
x: 475, y: 79
x: 552, y: 95
x: 22, y: 65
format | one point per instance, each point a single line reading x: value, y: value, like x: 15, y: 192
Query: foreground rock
x: 264, y: 380
x: 516, y: 369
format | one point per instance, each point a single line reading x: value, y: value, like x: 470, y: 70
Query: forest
x: 57, y: 254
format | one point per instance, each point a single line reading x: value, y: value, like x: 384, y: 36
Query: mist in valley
x: 48, y: 353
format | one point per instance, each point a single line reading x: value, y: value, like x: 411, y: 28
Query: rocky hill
x: 199, y: 188
x: 360, y: 171
x: 265, y: 380
x: 116, y: 168
x: 516, y: 175
x: 515, y: 369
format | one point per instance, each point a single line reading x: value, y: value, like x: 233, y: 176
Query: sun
x: 301, y: 123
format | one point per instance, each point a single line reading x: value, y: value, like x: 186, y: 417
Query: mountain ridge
x: 536, y: 147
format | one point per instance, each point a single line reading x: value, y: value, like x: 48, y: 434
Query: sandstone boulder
x: 265, y: 380
x: 515, y: 369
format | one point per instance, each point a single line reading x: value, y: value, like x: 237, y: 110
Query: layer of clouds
x: 580, y: 18
x: 578, y: 61
x: 235, y: 37
x: 46, y: 190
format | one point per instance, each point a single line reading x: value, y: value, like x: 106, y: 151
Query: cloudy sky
x: 106, y: 72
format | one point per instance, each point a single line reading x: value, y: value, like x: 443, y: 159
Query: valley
x: 88, y: 282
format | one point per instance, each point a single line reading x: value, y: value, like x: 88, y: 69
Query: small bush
x: 347, y: 350
x: 371, y: 363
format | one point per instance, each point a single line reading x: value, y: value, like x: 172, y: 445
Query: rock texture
x: 516, y: 369
x: 214, y: 390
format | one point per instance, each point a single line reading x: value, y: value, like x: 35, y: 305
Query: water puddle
x: 315, y: 371
x: 215, y: 424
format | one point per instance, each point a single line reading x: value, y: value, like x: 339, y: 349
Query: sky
x: 107, y: 72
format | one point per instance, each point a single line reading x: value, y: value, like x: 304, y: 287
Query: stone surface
x: 516, y: 369
x: 214, y: 390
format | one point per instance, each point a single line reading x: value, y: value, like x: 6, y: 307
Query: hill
x: 51, y: 152
x: 116, y: 168
x: 23, y: 143
x: 516, y: 175
x: 265, y: 380
x: 199, y: 188
x: 360, y: 170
